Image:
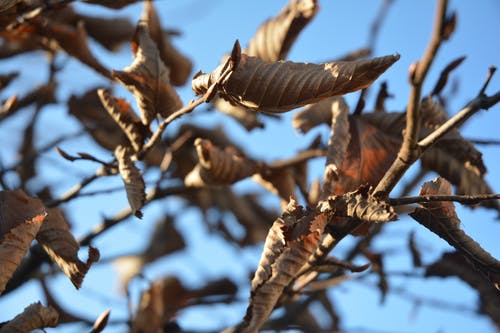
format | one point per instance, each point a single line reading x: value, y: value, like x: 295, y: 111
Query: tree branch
x: 409, y: 151
x: 463, y: 199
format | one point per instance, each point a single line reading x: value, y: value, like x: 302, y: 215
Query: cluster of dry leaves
x: 365, y: 156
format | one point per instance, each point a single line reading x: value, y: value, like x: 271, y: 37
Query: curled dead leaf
x: 291, y: 240
x: 132, y: 178
x: 218, y: 167
x: 36, y: 316
x: 359, y: 204
x: 440, y: 217
x: 148, y: 79
x: 276, y: 87
x: 57, y: 240
x: 275, y: 37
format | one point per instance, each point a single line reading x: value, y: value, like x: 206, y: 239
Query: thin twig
x: 491, y: 71
x: 463, y: 199
x: 478, y: 103
x: 75, y: 190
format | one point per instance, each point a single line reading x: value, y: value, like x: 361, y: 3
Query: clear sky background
x: 209, y: 29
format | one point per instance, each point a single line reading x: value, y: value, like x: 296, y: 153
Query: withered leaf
x: 62, y: 248
x: 291, y: 240
x: 165, y: 239
x: 180, y: 66
x: 148, y: 79
x: 218, y: 167
x: 111, y: 33
x: 279, y: 181
x: 337, y: 144
x: 282, y: 86
x: 90, y: 112
x: 454, y: 264
x: 14, y: 244
x: 34, y: 317
x: 132, y: 178
x: 148, y: 318
x: 126, y: 118
x: 275, y: 37
x: 358, y: 204
x: 72, y: 40
x: 441, y: 218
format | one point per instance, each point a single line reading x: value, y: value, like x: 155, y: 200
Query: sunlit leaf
x: 440, y: 217
x: 62, y: 247
x: 282, y: 86
x: 290, y: 241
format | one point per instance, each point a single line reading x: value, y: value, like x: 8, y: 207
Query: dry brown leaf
x: 16, y: 207
x: 72, y: 40
x: 337, y: 144
x: 291, y: 240
x: 369, y: 155
x: 440, y: 217
x: 180, y: 66
x: 132, y: 178
x: 148, y: 79
x: 17, y: 41
x: 218, y: 167
x: 62, y: 247
x: 126, y: 118
x: 111, y: 33
x: 40, y: 96
x: 34, y: 317
x: 454, y: 264
x: 359, y: 204
x: 13, y: 246
x: 282, y: 86
x: 275, y: 37
x: 88, y: 109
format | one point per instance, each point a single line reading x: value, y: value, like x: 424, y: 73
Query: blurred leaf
x: 6, y: 79
x: 62, y: 248
x: 34, y: 317
x: 115, y: 4
x: 180, y: 66
x: 454, y: 264
x: 275, y: 37
x: 377, y: 265
x: 255, y: 84
x: 248, y: 119
x: 132, y: 178
x: 101, y: 322
x: 148, y: 79
x: 314, y: 115
x: 416, y: 256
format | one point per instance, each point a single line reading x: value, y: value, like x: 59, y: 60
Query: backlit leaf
x: 34, y: 317
x: 132, y: 178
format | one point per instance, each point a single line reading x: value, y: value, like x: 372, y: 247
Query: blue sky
x: 209, y: 30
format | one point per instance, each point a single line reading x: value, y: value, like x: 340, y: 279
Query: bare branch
x: 463, y: 199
